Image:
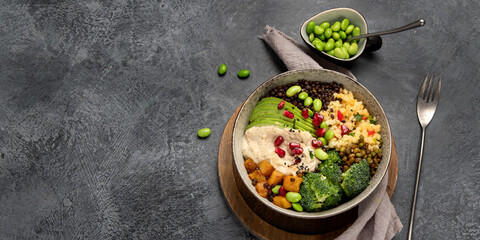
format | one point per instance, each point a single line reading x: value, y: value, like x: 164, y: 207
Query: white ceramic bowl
x: 261, y: 205
x: 331, y: 16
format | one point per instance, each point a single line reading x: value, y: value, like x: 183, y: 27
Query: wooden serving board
x: 254, y: 223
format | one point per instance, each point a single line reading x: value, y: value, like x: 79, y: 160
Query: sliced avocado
x: 266, y: 114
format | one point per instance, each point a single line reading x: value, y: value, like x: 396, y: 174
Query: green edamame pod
x: 297, y: 207
x: 324, y: 124
x: 328, y: 32
x: 339, y: 53
x: 318, y: 30
x: 353, y: 49
x: 336, y: 27
x: 293, y: 197
x: 346, y: 44
x: 222, y: 69
x: 243, y: 73
x: 331, y: 52
x: 317, y: 105
x: 325, y: 25
x: 320, y: 45
x: 310, y: 27
x: 345, y: 51
x: 320, y: 154
x: 339, y: 43
x: 336, y: 35
x: 311, y: 37
x: 329, y: 45
x: 344, y: 24
x: 293, y: 90
x: 329, y: 134
x: 356, y: 31
x: 343, y: 35
x: 302, y: 95
x: 349, y: 29
x: 324, y: 141
x: 315, y: 41
x: 322, y: 37
x: 204, y: 132
x: 308, y: 101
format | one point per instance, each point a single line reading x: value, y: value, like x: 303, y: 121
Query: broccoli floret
x: 318, y: 193
x: 356, y: 179
x: 331, y: 171
x: 333, y: 157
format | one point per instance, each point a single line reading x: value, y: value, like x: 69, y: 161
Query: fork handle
x: 414, y: 203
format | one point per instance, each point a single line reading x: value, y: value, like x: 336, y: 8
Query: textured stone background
x: 100, y: 102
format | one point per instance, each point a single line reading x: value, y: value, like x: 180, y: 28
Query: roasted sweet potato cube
x: 257, y: 175
x: 250, y: 165
x: 281, y: 202
x: 266, y: 168
x: 261, y: 189
x: 292, y: 183
x: 275, y: 178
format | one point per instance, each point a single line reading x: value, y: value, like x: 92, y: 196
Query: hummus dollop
x: 258, y: 145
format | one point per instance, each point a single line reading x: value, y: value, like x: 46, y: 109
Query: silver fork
x: 427, y: 102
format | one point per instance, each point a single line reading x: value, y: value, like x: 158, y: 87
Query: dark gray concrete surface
x: 100, y: 102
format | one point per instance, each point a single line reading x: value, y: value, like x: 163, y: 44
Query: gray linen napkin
x: 377, y: 218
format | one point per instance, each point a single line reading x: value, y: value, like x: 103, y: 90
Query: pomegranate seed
x: 305, y: 113
x: 370, y: 133
x: 281, y: 104
x: 339, y: 115
x: 316, y: 143
x: 278, y: 141
x: 293, y: 145
x: 288, y: 114
x: 317, y: 119
x: 282, y: 191
x: 345, y: 130
x: 297, y: 151
x: 280, y: 152
x: 297, y: 160
x: 321, y: 132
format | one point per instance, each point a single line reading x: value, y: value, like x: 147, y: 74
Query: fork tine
x: 437, y: 92
x: 429, y: 93
x: 421, y: 94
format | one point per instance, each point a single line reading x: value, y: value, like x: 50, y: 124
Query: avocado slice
x: 265, y: 110
x: 267, y: 114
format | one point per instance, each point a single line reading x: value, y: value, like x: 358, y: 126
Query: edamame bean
x: 336, y: 27
x: 343, y: 35
x: 311, y: 37
x: 293, y: 90
x: 222, y: 69
x: 204, y: 132
x: 325, y: 25
x: 315, y: 41
x: 331, y: 52
x: 297, y: 207
x: 336, y: 35
x: 339, y: 53
x: 322, y: 37
x: 328, y: 32
x: 308, y: 101
x: 329, y: 134
x: 353, y: 49
x: 339, y: 43
x: 356, y: 31
x: 344, y: 24
x: 324, y: 141
x: 320, y: 45
x: 302, y: 95
x: 349, y: 29
x: 275, y: 189
x: 310, y: 113
x: 346, y: 44
x: 345, y: 51
x: 293, y: 197
x: 324, y: 124
x: 318, y: 30
x: 329, y: 45
x: 310, y: 27
x: 243, y: 73
x: 317, y: 105
x: 320, y: 154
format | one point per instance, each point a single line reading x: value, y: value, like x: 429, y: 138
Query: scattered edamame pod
x: 344, y: 24
x: 308, y: 101
x: 222, y: 69
x: 336, y: 35
x: 302, y: 95
x: 356, y: 31
x: 343, y: 35
x: 325, y: 25
x: 353, y: 48
x: 318, y: 30
x: 336, y: 27
x: 293, y: 90
x: 328, y: 32
x: 311, y: 37
x: 329, y: 134
x: 293, y: 197
x: 320, y: 154
x: 243, y: 73
x: 317, y: 105
x: 349, y: 29
x: 204, y: 132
